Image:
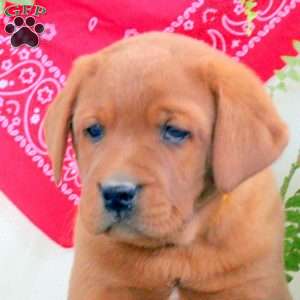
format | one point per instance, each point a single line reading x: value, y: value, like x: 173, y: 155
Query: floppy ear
x: 59, y: 114
x: 249, y: 134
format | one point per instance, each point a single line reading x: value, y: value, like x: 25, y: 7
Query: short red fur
x: 209, y: 220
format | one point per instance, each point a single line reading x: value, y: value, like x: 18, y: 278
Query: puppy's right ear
x: 59, y: 115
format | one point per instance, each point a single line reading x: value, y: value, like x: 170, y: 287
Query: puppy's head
x: 153, y: 118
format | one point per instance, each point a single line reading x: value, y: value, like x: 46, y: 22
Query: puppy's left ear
x: 59, y: 114
x: 249, y: 134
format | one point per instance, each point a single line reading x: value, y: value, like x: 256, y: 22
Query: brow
x: 189, y: 111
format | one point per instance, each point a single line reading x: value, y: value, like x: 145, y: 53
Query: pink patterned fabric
x: 31, y: 77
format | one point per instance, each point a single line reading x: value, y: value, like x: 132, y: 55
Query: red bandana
x: 31, y: 77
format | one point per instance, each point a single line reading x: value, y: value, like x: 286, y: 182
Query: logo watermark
x: 24, y: 29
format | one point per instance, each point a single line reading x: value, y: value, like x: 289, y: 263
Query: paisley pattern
x: 28, y: 83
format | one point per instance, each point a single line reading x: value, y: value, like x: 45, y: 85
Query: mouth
x: 126, y: 234
x: 117, y: 220
x: 131, y: 231
x: 108, y: 229
x: 121, y: 231
x: 118, y: 224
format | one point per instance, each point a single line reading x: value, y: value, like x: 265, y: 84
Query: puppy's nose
x: 119, y: 198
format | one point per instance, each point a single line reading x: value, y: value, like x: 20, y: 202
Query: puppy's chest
x: 149, y: 272
x: 164, y: 272
x: 164, y: 269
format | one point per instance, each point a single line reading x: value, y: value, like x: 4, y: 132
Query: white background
x: 32, y: 267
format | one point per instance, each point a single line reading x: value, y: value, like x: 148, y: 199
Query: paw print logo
x: 24, y: 32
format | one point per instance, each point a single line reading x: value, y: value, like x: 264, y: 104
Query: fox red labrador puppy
x: 174, y: 141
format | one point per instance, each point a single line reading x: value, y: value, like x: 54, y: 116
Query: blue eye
x: 174, y: 135
x: 95, y: 132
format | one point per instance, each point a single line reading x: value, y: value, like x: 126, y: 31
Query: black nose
x: 119, y: 198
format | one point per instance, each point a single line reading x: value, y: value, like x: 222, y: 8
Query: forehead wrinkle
x: 93, y: 106
x: 129, y: 67
x: 130, y: 79
x: 132, y: 94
